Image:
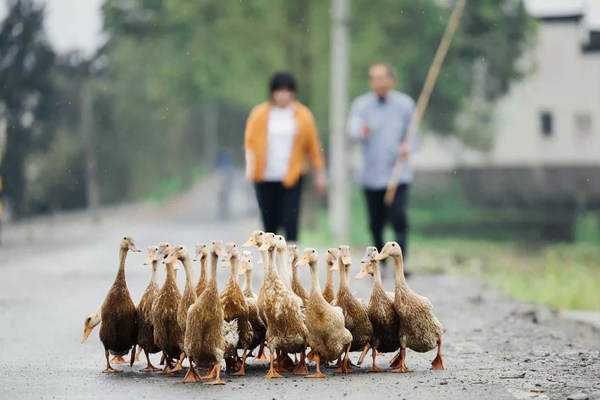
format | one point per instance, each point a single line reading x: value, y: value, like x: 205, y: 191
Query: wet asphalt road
x: 54, y: 272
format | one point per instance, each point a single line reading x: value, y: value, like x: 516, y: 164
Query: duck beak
x: 251, y: 242
x: 366, y: 259
x: 334, y: 267
x: 346, y: 260
x: 86, y: 333
x: 303, y: 262
x: 170, y: 258
x: 382, y: 256
x: 363, y: 272
x: 134, y: 248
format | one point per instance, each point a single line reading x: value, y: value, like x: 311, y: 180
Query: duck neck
x: 294, y: 263
x: 154, y: 277
x: 122, y: 257
x: 376, y: 273
x: 214, y: 260
x: 400, y: 279
x: 189, y: 270
x: 314, y: 277
x: 342, y: 269
x: 234, y: 267
x: 284, y: 270
x: 171, y: 277
x: 264, y: 256
x: 203, y: 269
x: 248, y: 281
x: 329, y: 280
x: 271, y: 260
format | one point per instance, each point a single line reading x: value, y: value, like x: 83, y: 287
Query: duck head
x: 127, y: 243
x: 256, y: 239
x: 201, y: 252
x: 367, y: 260
x: 151, y: 255
x: 90, y: 322
x: 246, y: 262
x: 268, y: 242
x: 216, y: 248
x: 293, y: 251
x: 390, y: 249
x: 164, y: 249
x: 229, y: 252
x: 178, y: 253
x: 310, y: 256
x: 331, y: 256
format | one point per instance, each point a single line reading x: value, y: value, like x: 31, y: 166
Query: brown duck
x: 355, y: 313
x: 119, y: 328
x: 144, y: 312
x: 235, y: 306
x: 419, y: 329
x: 208, y: 337
x: 381, y: 311
x: 167, y: 331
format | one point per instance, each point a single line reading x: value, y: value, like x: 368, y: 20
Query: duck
x: 256, y: 240
x: 168, y: 334
x: 119, y: 328
x: 208, y: 337
x: 296, y: 284
x: 144, y: 312
x: 382, y: 314
x: 328, y: 291
x: 286, y: 330
x: 355, y: 313
x: 91, y: 321
x: 202, y: 256
x: 189, y: 292
x: 259, y: 328
x: 235, y: 305
x: 327, y: 334
x: 281, y: 250
x: 419, y: 330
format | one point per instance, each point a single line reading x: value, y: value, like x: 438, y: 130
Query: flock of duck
x: 207, y: 327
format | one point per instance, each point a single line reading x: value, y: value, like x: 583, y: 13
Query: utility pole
x: 91, y: 167
x: 339, y: 193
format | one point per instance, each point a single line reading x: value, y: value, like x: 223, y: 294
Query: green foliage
x: 166, y: 59
x: 26, y: 61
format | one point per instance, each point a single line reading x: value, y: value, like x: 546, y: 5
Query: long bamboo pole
x: 423, y: 101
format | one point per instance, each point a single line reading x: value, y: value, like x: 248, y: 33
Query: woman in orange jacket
x: 280, y: 136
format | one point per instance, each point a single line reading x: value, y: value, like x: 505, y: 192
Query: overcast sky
x: 71, y: 24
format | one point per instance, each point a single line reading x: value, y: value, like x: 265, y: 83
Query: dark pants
x: 279, y: 207
x: 380, y: 214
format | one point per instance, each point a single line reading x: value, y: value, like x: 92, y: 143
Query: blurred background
x: 115, y: 102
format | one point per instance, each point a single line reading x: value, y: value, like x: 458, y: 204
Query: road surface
x: 57, y: 270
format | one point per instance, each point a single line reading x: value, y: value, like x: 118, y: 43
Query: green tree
x: 25, y: 89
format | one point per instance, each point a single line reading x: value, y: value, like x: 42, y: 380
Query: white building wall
x: 565, y: 82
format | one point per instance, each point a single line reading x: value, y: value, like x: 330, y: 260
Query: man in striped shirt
x: 378, y: 120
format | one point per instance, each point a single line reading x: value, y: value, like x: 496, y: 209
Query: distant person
x: 280, y: 136
x: 378, y: 120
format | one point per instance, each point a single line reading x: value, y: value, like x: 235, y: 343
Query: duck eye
x: 125, y: 238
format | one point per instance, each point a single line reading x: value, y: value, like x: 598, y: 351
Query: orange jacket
x: 306, y: 143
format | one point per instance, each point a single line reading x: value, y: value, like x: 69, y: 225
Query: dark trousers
x: 380, y: 214
x: 279, y: 207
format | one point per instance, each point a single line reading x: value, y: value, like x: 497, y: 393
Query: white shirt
x: 281, y: 132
